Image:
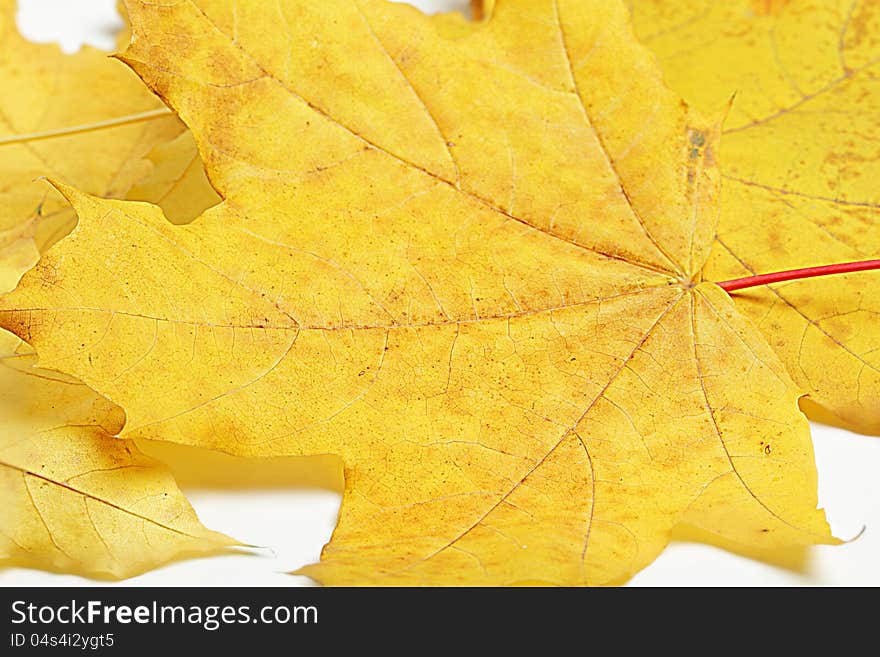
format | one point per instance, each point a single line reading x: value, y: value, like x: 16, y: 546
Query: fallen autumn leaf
x: 471, y: 269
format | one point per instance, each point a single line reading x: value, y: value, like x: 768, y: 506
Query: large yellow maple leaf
x: 74, y: 497
x: 801, y: 163
x: 82, y: 118
x: 465, y: 257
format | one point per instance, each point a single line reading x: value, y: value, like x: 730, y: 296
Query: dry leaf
x: 74, y: 497
x: 468, y: 267
x: 78, y: 499
x: 54, y: 110
x: 801, y: 163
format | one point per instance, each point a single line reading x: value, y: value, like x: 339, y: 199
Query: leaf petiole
x: 88, y: 127
x: 796, y: 274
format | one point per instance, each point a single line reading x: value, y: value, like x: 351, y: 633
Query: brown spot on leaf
x: 768, y: 7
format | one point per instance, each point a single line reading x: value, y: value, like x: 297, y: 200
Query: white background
x: 292, y: 522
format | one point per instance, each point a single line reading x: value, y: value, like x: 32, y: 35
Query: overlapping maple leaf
x: 476, y: 260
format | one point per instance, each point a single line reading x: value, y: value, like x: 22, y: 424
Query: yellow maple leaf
x: 82, y: 118
x: 801, y: 164
x: 469, y: 267
x: 127, y: 516
x: 74, y: 497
